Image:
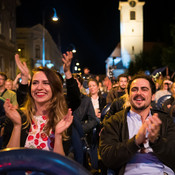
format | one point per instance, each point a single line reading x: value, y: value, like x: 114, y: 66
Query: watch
x: 132, y: 3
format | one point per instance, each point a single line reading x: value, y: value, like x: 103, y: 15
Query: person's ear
x: 153, y: 97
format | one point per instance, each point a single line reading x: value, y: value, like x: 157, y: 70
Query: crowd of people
x: 124, y: 126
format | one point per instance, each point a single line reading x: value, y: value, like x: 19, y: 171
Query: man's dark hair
x: 122, y: 75
x: 3, y: 75
x: 147, y: 77
x: 85, y: 68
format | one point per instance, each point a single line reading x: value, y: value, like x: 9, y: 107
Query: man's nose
x: 138, y: 91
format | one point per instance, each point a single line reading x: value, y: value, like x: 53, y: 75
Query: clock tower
x: 131, y: 29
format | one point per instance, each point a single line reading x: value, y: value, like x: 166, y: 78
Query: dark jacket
x: 8, y: 128
x: 116, y: 149
x: 170, y: 101
x: 2, y: 112
x: 73, y: 94
x: 21, y: 93
x: 114, y: 93
x: 102, y: 102
x: 116, y: 106
x: 85, y: 114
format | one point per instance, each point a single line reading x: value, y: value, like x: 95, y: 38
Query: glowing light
x: 50, y: 65
x: 55, y: 17
x: 126, y: 59
x: 74, y: 50
x: 37, y: 64
x: 43, y: 60
x: 19, y: 50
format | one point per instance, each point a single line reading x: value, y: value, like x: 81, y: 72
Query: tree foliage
x: 146, y: 61
x: 168, y: 55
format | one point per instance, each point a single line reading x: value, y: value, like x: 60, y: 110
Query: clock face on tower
x: 132, y: 3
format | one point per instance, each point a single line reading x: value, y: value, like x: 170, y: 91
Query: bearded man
x: 139, y: 140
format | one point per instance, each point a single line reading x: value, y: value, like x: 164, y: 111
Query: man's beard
x: 140, y: 107
x: 122, y: 88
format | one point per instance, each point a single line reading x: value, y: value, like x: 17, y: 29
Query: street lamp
x: 54, y: 18
x: 72, y: 48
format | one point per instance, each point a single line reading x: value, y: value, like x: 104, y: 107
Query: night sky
x: 93, y: 26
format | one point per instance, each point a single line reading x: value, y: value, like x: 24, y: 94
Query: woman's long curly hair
x: 57, y: 107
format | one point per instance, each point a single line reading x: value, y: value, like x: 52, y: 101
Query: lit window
x: 22, y: 52
x: 132, y: 15
x: 2, y: 63
x: 37, y: 51
x: 0, y: 27
x: 132, y: 49
x: 10, y: 33
x: 2, y: 6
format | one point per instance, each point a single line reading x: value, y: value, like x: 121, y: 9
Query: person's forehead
x: 39, y: 75
x: 140, y: 82
x: 92, y: 83
x: 8, y: 82
x: 122, y: 78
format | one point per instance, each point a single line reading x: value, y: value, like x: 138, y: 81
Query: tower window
x: 132, y: 15
x: 132, y: 49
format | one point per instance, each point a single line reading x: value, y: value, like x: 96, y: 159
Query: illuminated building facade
x: 29, y: 44
x: 131, y: 30
x: 131, y: 37
x: 8, y: 36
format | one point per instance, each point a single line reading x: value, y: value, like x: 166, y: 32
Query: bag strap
x: 3, y: 92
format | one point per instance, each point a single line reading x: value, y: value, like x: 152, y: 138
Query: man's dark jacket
x: 116, y: 149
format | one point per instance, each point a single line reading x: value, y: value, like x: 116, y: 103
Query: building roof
x: 117, y: 51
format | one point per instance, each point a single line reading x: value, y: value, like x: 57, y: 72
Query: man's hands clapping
x: 149, y: 130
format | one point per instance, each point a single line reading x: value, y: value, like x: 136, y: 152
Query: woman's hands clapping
x: 12, y: 113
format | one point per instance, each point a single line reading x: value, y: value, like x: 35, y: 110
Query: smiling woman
x: 40, y: 89
x: 45, y: 116
x: 43, y: 120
